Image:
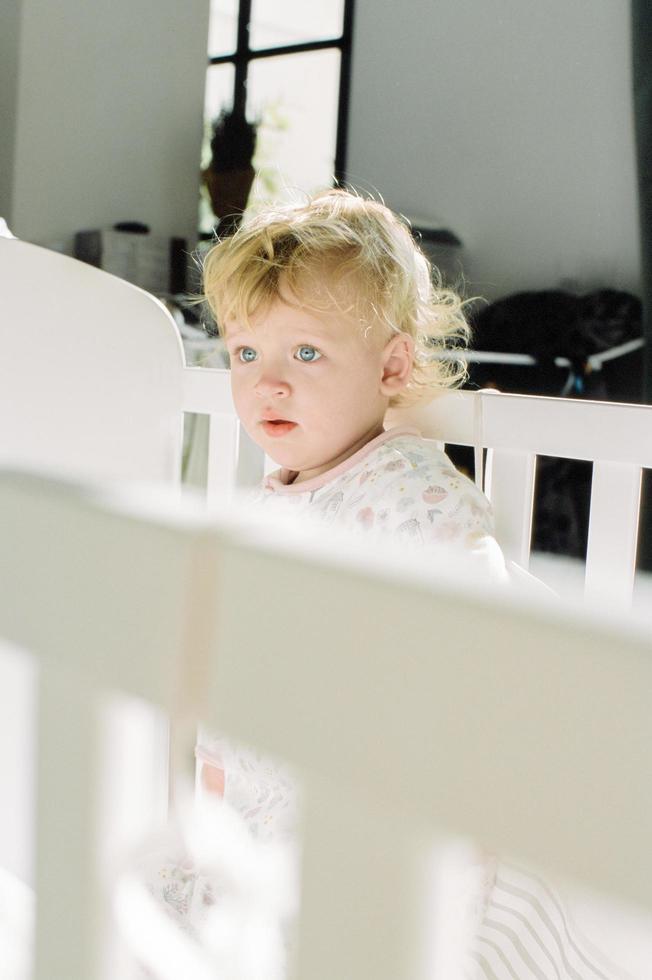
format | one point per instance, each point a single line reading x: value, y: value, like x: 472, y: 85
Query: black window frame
x: 244, y: 55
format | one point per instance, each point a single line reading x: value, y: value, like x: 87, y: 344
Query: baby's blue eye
x: 247, y: 354
x: 307, y: 354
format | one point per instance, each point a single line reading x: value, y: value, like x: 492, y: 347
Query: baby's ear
x: 398, y: 358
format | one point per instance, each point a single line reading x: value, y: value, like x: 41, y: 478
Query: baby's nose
x: 268, y: 387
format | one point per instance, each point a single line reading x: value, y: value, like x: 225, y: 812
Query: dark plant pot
x: 229, y: 192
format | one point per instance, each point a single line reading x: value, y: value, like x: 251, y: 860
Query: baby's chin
x: 289, y: 461
x: 298, y: 462
x: 287, y: 452
x: 281, y: 455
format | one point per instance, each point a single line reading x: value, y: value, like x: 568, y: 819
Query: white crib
x: 93, y: 384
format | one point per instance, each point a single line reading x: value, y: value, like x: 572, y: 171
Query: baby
x: 330, y: 316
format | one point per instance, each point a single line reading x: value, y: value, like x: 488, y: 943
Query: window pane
x: 222, y: 27
x: 277, y: 22
x: 296, y: 98
x: 219, y: 95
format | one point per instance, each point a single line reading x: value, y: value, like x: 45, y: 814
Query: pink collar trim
x: 277, y: 480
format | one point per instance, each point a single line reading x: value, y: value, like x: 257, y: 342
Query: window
x: 285, y: 66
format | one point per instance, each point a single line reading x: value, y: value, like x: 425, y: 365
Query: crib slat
x: 366, y: 875
x: 509, y: 484
x: 207, y: 391
x: 223, y: 453
x: 69, y: 912
x: 613, y: 532
x: 359, y: 875
x: 101, y: 787
x: 251, y: 461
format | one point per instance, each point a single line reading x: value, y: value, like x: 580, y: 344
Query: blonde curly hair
x: 363, y: 259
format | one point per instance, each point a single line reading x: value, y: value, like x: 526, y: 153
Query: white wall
x: 509, y: 120
x: 105, y: 120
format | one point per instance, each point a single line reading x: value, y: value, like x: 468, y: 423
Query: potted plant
x: 230, y: 173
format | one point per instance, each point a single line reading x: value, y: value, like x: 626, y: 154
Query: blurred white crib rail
x: 530, y: 731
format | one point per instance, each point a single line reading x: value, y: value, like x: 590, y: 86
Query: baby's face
x: 309, y: 388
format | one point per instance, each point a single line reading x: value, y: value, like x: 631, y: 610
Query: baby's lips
x: 278, y: 427
x: 273, y: 418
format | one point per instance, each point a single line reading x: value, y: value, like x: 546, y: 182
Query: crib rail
x: 514, y: 429
x: 572, y: 428
x: 482, y: 738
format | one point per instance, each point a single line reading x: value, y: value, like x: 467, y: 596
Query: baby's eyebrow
x: 249, y: 338
x: 232, y: 338
x: 310, y: 333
